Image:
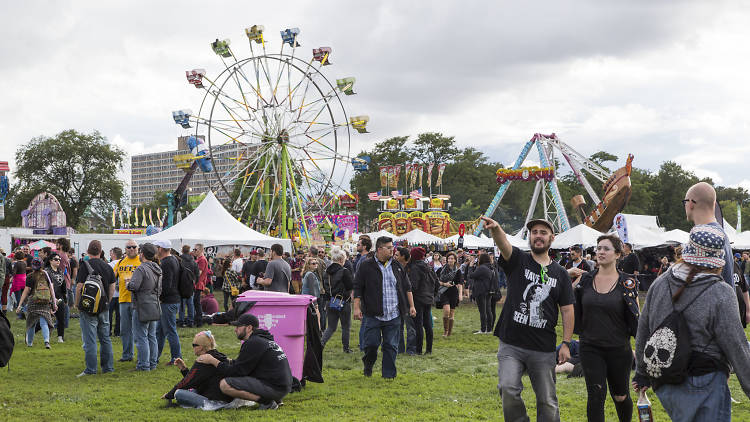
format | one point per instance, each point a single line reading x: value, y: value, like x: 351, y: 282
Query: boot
x: 445, y: 327
x: 450, y: 326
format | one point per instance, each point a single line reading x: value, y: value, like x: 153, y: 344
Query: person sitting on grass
x: 201, y: 383
x: 260, y: 373
x: 209, y: 305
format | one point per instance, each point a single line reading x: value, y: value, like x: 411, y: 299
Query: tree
x: 81, y: 170
x: 433, y: 147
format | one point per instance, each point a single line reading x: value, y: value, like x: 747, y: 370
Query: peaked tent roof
x: 212, y: 225
x: 579, y: 235
x: 418, y: 236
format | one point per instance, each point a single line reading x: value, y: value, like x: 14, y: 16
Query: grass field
x: 457, y: 382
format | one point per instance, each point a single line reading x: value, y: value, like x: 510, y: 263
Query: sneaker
x: 348, y: 350
x: 83, y: 374
x: 272, y: 405
x: 46, y: 345
x: 479, y: 332
x: 125, y: 360
x: 734, y: 400
x: 60, y: 339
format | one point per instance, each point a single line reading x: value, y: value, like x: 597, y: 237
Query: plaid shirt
x: 390, y: 295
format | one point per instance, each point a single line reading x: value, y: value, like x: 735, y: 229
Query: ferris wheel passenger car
x: 195, y: 77
x: 182, y: 118
x: 221, y: 48
x: 289, y: 36
x: 200, y: 152
x: 255, y: 33
x: 359, y: 123
x: 346, y: 85
x: 322, y: 55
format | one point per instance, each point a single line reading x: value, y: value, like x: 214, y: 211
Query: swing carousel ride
x: 290, y: 126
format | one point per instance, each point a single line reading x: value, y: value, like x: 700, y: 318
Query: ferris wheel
x: 278, y: 135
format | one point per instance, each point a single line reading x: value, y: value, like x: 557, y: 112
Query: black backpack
x: 7, y: 342
x: 740, y: 287
x: 186, y: 282
x: 666, y: 355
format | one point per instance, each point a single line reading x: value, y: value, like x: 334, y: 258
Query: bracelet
x: 567, y: 343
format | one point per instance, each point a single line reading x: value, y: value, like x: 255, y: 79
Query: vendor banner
x: 441, y: 169
x: 384, y: 176
x: 438, y: 223
x: 334, y: 226
x: 385, y: 221
x: 401, y: 223
x: 417, y: 221
x: 429, y: 174
x: 130, y: 231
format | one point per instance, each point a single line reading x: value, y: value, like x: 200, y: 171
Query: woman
x: 606, y: 316
x: 57, y: 277
x: 423, y: 290
x: 340, y: 284
x: 435, y: 263
x: 199, y: 386
x: 19, y: 278
x: 450, y: 286
x: 713, y: 327
x: 230, y: 284
x: 41, y: 294
x: 145, y: 285
x: 663, y: 265
x: 311, y: 283
x: 484, y: 283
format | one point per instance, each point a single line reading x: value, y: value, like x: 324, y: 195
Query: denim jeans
x: 167, y: 330
x: 345, y: 316
x: 45, y: 332
x: 484, y: 304
x: 114, y: 310
x: 197, y: 310
x: 540, y: 366
x: 701, y: 398
x: 410, y: 345
x: 375, y: 331
x: 189, y: 398
x: 423, y: 328
x: 93, y: 327
x: 145, y: 341
x: 126, y: 329
x: 187, y: 311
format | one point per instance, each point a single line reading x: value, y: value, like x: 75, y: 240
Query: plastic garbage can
x: 284, y: 316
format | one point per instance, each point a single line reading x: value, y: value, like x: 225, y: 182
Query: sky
x: 662, y: 80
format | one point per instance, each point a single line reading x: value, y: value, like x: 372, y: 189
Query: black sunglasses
x: 196, y: 345
x: 685, y: 201
x: 131, y: 247
x: 55, y: 259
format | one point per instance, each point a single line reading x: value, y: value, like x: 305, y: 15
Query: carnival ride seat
x: 361, y: 163
x: 289, y: 36
x: 322, y: 55
x: 255, y: 33
x: 200, y: 151
x: 195, y: 77
x: 346, y: 85
x: 359, y: 123
x: 182, y: 117
x: 221, y: 48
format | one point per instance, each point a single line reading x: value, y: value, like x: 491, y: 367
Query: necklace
x: 608, y: 291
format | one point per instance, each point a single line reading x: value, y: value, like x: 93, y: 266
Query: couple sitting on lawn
x: 260, y: 373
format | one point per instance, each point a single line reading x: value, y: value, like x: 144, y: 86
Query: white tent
x: 417, y: 236
x: 212, y: 225
x: 676, y: 236
x: 374, y: 235
x: 579, y: 235
x: 471, y: 241
x: 643, y: 231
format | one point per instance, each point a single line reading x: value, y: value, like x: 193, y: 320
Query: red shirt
x: 203, y: 267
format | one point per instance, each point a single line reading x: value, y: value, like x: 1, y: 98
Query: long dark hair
x: 693, y: 271
x: 484, y: 258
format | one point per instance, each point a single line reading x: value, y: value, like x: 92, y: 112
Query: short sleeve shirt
x: 727, y: 272
x: 530, y: 313
x: 105, y: 271
x: 280, y: 274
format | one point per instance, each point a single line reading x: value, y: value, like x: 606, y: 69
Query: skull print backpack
x: 666, y: 354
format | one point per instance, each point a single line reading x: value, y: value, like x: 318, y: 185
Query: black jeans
x: 60, y: 316
x: 228, y: 298
x: 423, y: 326
x: 323, y: 310
x: 198, y: 318
x: 334, y: 316
x: 409, y: 345
x: 602, y: 365
x: 114, y: 308
x: 485, y: 311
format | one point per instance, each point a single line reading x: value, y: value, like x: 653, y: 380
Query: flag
x: 414, y: 174
x: 397, y: 173
x: 136, y: 216
x: 143, y: 217
x: 441, y: 168
x: 128, y: 217
x: 150, y: 219
x: 415, y: 194
x: 121, y: 221
x: 396, y: 193
x: 373, y: 196
x: 383, y: 176
x: 429, y: 174
x: 113, y: 218
x: 420, y: 176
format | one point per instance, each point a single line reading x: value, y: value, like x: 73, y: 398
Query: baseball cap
x: 536, y: 221
x: 164, y: 244
x: 245, y: 320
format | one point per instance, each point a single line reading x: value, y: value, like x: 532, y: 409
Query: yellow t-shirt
x: 123, y: 271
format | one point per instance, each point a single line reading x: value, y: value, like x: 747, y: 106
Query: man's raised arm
x: 499, y: 236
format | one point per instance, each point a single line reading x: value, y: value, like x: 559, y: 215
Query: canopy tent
x: 643, y: 231
x: 676, y: 236
x: 212, y: 225
x: 518, y: 241
x: 374, y: 235
x: 579, y: 235
x: 41, y: 244
x: 471, y: 241
x: 418, y: 237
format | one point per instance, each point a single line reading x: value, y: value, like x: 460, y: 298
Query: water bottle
x: 644, y: 408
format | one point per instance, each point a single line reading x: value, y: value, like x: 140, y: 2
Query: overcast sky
x: 664, y: 80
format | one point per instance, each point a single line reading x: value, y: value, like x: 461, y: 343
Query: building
x: 157, y: 172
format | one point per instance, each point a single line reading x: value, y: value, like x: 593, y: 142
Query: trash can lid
x: 275, y: 297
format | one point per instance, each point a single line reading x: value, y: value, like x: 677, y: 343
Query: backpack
x: 91, y: 293
x: 41, y: 289
x: 666, y: 354
x: 186, y: 282
x: 740, y: 287
x: 7, y: 342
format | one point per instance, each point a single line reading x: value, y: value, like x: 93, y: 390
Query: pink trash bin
x: 284, y: 316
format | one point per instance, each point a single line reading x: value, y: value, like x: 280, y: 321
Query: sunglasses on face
x: 131, y: 247
x: 55, y: 259
x: 196, y: 345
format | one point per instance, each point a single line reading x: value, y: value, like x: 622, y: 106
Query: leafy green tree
x: 433, y: 147
x: 80, y: 169
x: 669, y: 187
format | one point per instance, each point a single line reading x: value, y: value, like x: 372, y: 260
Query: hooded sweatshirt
x: 339, y: 281
x: 712, y: 319
x: 261, y: 358
x: 422, y: 279
x: 146, y: 281
x: 204, y: 378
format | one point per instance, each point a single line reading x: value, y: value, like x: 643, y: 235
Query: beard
x: 539, y: 249
x: 241, y: 336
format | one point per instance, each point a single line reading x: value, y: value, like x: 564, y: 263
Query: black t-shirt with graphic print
x: 529, y: 316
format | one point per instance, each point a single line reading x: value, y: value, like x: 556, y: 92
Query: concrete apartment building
x: 156, y: 172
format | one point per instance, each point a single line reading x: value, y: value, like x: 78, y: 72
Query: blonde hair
x: 206, y: 339
x: 308, y: 261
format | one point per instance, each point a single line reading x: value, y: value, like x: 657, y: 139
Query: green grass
x: 458, y: 382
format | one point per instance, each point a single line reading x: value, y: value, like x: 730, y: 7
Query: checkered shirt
x: 390, y: 295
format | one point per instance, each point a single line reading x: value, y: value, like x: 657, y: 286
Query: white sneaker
x: 60, y: 339
x: 83, y: 374
x: 733, y: 400
x: 479, y: 332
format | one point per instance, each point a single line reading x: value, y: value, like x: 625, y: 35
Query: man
x: 322, y: 256
x: 278, y: 273
x: 123, y: 272
x: 93, y: 326
x: 629, y: 263
x: 187, y: 310
x: 381, y: 291
x: 364, y: 245
x: 401, y: 255
x: 202, y: 262
x: 700, y: 208
x: 237, y: 261
x: 461, y: 257
x: 259, y: 268
x: 115, y: 255
x: 576, y: 265
x: 260, y: 373
x: 169, y: 300
x: 247, y: 270
x: 297, y: 264
x: 537, y: 286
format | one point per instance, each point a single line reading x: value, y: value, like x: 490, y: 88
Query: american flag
x: 415, y: 194
x: 395, y: 193
x: 373, y: 196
